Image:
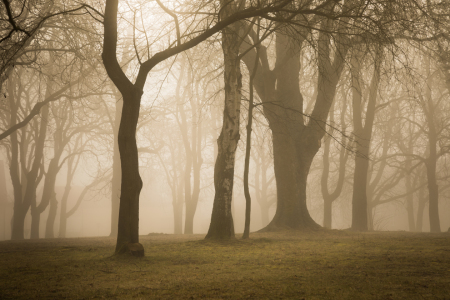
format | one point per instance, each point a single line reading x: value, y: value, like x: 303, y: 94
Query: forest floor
x: 286, y: 265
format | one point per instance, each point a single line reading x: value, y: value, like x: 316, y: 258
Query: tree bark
x: 222, y: 226
x: 50, y: 225
x: 431, y: 161
x: 128, y: 225
x: 330, y: 197
x: 116, y: 173
x: 363, y: 135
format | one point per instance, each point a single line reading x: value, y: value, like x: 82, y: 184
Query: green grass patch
x: 285, y: 265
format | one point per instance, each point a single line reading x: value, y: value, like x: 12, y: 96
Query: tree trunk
x: 116, y: 176
x: 50, y: 225
x: 222, y: 226
x: 363, y: 135
x: 292, y: 158
x: 409, y: 198
x: 47, y: 195
x: 177, y: 204
x: 128, y: 225
x: 420, y: 209
x: 3, y: 199
x: 131, y: 185
x: 21, y: 206
x: 330, y: 197
x: 359, y: 197
x: 35, y: 222
x: 197, y: 162
x: 327, y: 213
x: 287, y: 211
x: 63, y: 214
x: 433, y: 192
x: 431, y: 161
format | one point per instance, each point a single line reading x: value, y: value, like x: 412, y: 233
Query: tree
x: 128, y: 233
x: 295, y: 141
x: 222, y: 226
x: 25, y: 175
x: 23, y: 24
x: 363, y: 134
x: 330, y: 197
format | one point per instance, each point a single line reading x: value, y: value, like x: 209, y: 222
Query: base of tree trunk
x: 273, y: 227
x: 135, y: 249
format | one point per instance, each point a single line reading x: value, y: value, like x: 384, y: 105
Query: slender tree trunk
x: 431, y: 161
x: 47, y: 196
x: 420, y: 209
x: 248, y: 200
x: 363, y: 133
x: 178, y: 207
x: 35, y: 222
x: 131, y: 185
x: 63, y: 213
x: 222, y: 226
x: 31, y: 181
x: 327, y: 213
x: 3, y: 199
x: 330, y: 197
x: 50, y: 225
x: 409, y: 198
x: 433, y: 192
x: 116, y: 176
x: 128, y: 226
x: 359, y: 198
x: 197, y: 162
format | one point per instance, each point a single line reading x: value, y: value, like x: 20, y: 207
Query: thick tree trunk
x: 292, y: 155
x: 222, y: 226
x: 286, y: 213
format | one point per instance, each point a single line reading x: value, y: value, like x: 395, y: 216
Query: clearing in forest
x: 286, y: 265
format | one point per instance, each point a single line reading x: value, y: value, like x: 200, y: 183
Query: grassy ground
x: 289, y: 265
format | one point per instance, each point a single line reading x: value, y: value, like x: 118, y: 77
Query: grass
x: 286, y: 265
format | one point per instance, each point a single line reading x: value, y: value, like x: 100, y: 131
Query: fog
x: 350, y: 122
